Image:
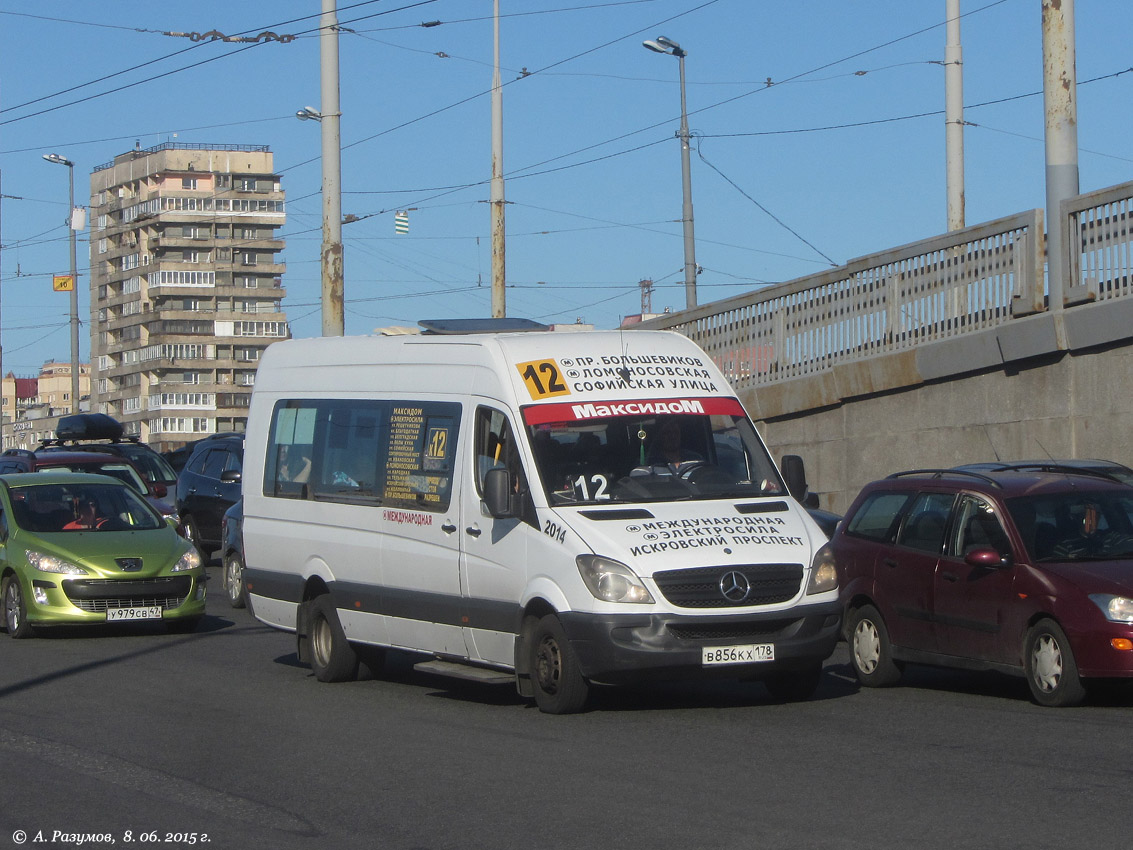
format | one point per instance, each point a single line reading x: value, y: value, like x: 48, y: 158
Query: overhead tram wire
x: 772, y: 215
x: 178, y: 70
x: 519, y: 173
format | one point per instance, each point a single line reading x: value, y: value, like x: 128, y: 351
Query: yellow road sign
x: 62, y: 283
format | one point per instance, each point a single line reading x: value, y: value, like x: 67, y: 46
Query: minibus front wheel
x: 332, y: 657
x: 559, y: 685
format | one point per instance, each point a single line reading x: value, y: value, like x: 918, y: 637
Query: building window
x: 188, y: 182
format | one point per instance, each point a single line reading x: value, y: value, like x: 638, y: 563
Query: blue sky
x: 840, y: 156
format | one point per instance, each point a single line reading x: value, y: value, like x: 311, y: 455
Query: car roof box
x: 89, y: 426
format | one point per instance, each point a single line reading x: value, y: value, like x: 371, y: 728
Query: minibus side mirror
x: 497, y: 493
x: 794, y: 473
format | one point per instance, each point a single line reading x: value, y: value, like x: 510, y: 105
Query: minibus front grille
x: 730, y: 587
x: 731, y: 630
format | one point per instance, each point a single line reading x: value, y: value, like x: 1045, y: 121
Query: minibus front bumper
x: 626, y: 647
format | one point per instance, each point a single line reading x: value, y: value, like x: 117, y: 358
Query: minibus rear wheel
x: 332, y: 657
x: 555, y: 673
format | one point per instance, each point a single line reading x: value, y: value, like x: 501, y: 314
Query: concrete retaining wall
x: 1053, y: 385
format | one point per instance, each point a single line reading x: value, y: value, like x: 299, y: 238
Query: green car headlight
x: 189, y: 561
x: 51, y: 564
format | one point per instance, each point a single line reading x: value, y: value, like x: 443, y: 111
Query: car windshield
x: 124, y: 472
x: 1076, y: 525
x: 48, y: 508
x: 641, y: 452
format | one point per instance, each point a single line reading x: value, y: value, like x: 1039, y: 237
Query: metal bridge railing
x: 1101, y: 224
x: 942, y: 287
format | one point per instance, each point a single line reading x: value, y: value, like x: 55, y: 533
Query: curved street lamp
x: 75, y: 395
x: 667, y: 45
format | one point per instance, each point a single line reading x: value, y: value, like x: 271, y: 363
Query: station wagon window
x: 923, y: 528
x: 977, y: 527
x: 877, y: 518
x: 363, y: 451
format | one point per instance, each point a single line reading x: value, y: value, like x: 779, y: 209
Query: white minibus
x: 557, y: 510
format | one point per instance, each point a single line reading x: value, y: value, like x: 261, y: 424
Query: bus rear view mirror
x: 497, y: 493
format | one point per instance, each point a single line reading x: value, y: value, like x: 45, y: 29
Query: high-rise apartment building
x: 186, y: 286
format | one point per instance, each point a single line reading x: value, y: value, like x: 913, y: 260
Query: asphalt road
x: 221, y: 739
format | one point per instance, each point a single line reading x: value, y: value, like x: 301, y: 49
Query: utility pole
x: 332, y: 267
x: 1060, y: 83
x: 646, y: 296
x: 954, y: 116
x: 499, y: 279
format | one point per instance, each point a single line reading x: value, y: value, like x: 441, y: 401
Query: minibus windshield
x: 649, y: 451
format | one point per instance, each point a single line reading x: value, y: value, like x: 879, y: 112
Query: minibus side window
x: 363, y: 451
x: 495, y: 447
x: 417, y: 455
x: 290, y: 450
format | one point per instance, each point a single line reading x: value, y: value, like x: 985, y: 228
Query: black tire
x: 332, y: 657
x: 183, y: 625
x: 871, y: 654
x: 193, y: 535
x: 15, y: 611
x: 233, y: 580
x: 556, y: 677
x: 794, y: 685
x: 1052, y: 672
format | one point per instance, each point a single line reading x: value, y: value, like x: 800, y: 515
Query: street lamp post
x: 666, y: 45
x: 59, y: 160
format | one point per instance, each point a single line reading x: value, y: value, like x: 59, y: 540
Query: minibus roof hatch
x: 480, y: 326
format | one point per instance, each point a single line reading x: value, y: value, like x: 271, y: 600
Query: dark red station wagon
x: 1025, y: 571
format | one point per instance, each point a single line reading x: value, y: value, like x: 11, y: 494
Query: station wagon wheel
x: 871, y: 655
x: 1052, y: 672
x: 15, y: 612
x: 332, y: 657
x: 234, y: 580
x: 555, y: 673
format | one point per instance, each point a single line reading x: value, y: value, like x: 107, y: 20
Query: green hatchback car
x: 81, y: 549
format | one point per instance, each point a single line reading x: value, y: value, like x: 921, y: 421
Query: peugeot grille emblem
x: 129, y: 565
x: 735, y: 586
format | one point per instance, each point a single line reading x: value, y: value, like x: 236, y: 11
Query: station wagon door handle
x: 890, y: 562
x: 448, y: 528
x: 949, y: 576
x: 472, y: 530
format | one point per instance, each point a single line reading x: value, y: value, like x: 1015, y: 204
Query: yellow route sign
x: 62, y: 283
x: 543, y: 378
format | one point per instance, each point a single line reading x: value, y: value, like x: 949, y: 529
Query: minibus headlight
x: 611, y: 581
x: 823, y: 572
x: 1119, y: 609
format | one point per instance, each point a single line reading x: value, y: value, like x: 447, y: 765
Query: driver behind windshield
x: 669, y: 445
